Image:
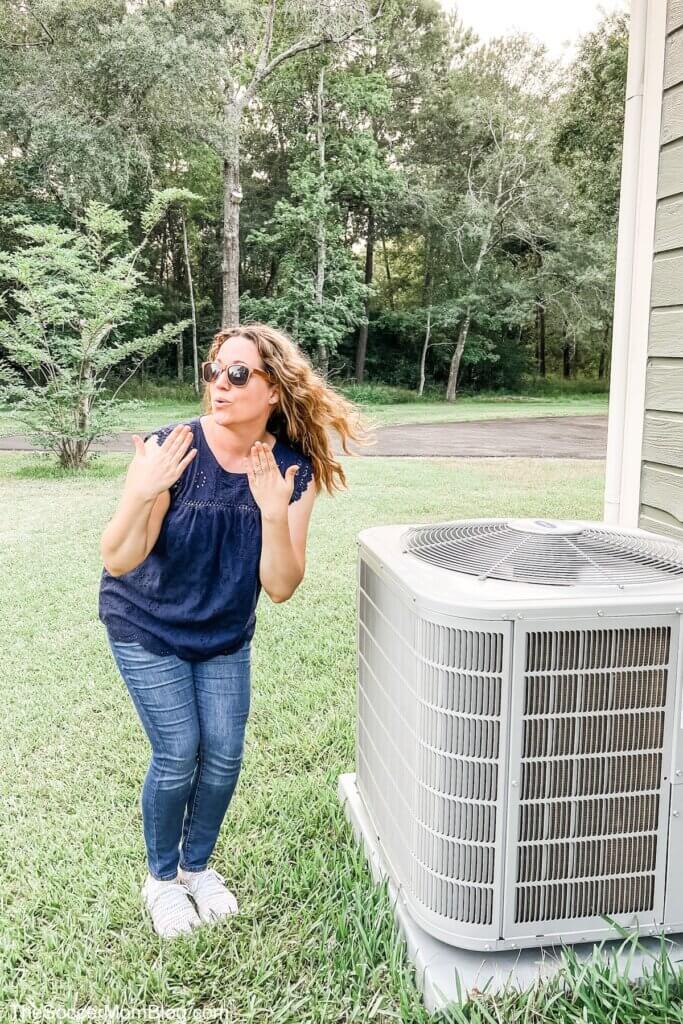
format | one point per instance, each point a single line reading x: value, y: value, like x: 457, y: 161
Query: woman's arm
x: 283, y: 554
x: 132, y: 531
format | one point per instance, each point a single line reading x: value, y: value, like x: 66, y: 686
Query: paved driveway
x: 564, y: 437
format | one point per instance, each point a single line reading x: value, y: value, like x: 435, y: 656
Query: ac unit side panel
x: 432, y: 735
x: 386, y: 713
x: 673, y: 886
x: 677, y: 752
x: 590, y: 759
x: 673, y: 900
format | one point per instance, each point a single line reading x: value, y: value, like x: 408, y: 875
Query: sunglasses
x: 238, y: 373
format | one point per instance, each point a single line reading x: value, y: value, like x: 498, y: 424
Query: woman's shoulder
x: 290, y: 455
x: 162, y: 433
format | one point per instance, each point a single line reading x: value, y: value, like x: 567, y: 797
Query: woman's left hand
x: 270, y: 488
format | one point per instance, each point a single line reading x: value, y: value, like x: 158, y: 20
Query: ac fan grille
x: 591, y: 772
x: 595, y: 556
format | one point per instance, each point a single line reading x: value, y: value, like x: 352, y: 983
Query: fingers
x: 183, y: 443
x: 177, y: 437
x: 187, y: 460
x: 262, y: 455
x: 178, y: 440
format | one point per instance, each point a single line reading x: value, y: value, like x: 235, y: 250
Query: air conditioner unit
x: 519, y: 744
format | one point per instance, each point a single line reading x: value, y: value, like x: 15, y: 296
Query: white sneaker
x: 169, y: 906
x: 209, y: 893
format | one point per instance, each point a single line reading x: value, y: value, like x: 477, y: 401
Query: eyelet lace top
x: 195, y: 594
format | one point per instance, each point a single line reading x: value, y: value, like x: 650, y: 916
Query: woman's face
x: 256, y: 400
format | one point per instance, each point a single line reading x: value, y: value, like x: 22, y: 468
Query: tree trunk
x: 541, y: 339
x: 566, y: 353
x: 232, y: 197
x: 387, y: 270
x: 173, y: 279
x: 162, y: 256
x: 323, y: 354
x: 423, y: 357
x: 231, y: 246
x: 427, y: 282
x: 188, y: 272
x: 452, y: 386
x: 362, y: 348
x: 72, y: 453
x: 451, y: 390
x: 426, y: 301
x: 603, y: 352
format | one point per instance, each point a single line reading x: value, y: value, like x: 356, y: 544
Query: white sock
x: 160, y: 881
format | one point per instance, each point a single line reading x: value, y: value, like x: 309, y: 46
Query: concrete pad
x: 445, y: 974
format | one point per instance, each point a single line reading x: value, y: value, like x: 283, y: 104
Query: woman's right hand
x: 155, y: 467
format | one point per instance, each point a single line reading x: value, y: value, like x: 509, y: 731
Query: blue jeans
x: 195, y: 716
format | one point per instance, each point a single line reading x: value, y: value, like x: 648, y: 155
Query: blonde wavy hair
x: 308, y: 405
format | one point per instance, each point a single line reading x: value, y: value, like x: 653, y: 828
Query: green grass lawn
x: 155, y: 412
x: 315, y: 941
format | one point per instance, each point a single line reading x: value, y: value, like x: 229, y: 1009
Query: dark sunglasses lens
x: 238, y: 375
x: 209, y: 372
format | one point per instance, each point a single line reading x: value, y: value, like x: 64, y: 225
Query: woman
x: 212, y: 510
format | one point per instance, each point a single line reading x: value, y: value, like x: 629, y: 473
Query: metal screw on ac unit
x: 600, y: 611
x: 675, y: 814
x: 679, y: 772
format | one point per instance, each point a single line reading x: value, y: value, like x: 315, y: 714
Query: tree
x: 417, y: 44
x: 72, y: 314
x: 370, y: 164
x: 334, y: 166
x: 490, y: 195
x: 320, y: 317
x: 221, y: 60
x: 589, y: 128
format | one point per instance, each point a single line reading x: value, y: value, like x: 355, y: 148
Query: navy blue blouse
x: 195, y: 594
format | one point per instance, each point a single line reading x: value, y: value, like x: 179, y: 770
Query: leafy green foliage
x: 71, y: 313
x: 466, y: 185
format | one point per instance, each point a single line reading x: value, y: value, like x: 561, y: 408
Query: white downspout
x: 635, y: 76
x: 635, y: 245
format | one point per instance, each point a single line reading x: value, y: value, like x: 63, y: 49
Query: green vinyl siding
x: 661, y: 481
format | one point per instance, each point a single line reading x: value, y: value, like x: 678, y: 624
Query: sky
x: 557, y: 23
